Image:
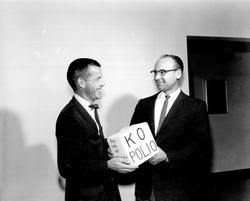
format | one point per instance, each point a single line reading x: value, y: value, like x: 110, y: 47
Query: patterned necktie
x: 95, y: 107
x: 163, y: 112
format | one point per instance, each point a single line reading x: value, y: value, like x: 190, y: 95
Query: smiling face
x: 168, y: 81
x: 91, y: 83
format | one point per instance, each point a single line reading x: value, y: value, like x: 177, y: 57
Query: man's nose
x: 102, y: 83
x: 157, y: 76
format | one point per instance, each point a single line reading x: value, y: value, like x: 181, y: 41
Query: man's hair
x: 77, y: 68
x: 177, y: 60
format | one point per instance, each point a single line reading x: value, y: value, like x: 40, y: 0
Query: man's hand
x: 121, y: 165
x: 110, y: 154
x: 159, y: 157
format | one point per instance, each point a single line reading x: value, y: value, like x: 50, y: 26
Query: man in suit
x: 82, y: 150
x: 182, y: 137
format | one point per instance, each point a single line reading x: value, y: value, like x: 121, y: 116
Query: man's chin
x: 98, y: 97
x: 160, y: 88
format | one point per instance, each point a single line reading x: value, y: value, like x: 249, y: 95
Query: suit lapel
x: 84, y: 114
x: 176, y: 105
x: 152, y: 116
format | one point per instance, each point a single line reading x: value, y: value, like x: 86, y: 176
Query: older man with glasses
x: 181, y: 128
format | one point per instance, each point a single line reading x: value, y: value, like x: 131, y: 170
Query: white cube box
x: 136, y: 142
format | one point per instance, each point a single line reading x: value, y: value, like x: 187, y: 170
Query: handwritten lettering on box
x: 136, y: 142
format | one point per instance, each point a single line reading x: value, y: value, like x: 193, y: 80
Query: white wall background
x: 38, y: 40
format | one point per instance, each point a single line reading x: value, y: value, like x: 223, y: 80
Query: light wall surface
x: 38, y: 40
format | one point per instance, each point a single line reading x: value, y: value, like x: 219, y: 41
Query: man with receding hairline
x: 181, y: 128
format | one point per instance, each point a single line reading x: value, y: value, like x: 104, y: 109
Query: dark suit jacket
x: 185, y: 138
x: 82, y: 157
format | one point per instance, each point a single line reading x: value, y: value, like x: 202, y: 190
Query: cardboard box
x: 136, y: 142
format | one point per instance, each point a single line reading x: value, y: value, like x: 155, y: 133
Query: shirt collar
x: 82, y: 101
x: 172, y: 95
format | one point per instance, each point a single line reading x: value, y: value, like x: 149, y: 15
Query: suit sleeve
x: 198, y: 146
x: 74, y: 160
x: 138, y: 115
x: 143, y: 175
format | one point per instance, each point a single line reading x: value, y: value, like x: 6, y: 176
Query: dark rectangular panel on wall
x: 216, y: 96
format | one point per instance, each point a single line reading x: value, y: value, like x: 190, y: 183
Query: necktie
x: 163, y: 112
x: 95, y: 107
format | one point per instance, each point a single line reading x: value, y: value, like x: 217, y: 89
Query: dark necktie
x: 95, y: 107
x: 163, y: 112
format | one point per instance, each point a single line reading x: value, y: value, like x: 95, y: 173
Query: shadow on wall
x: 28, y: 173
x: 120, y: 114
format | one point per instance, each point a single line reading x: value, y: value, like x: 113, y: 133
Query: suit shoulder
x: 195, y: 102
x: 149, y: 98
x: 67, y: 109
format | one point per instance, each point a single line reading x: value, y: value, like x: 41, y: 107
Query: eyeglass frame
x: 163, y: 71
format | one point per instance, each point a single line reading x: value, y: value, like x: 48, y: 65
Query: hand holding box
x: 135, y: 142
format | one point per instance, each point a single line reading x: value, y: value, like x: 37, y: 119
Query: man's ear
x: 178, y: 74
x: 81, y: 82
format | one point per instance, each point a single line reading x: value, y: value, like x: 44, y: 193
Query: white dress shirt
x: 159, y: 104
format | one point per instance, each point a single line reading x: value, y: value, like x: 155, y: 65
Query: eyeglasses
x: 162, y: 72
